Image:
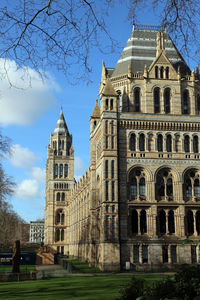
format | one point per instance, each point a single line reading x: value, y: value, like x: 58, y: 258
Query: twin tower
x: 138, y: 204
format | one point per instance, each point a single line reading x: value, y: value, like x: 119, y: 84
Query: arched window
x: 66, y: 170
x: 111, y: 104
x: 185, y: 108
x: 137, y: 99
x: 160, y: 143
x: 169, y: 187
x: 137, y: 183
x: 62, y: 219
x: 169, y: 143
x: 162, y: 221
x: 141, y: 142
x: 191, y: 185
x: 188, y: 186
x: 61, y: 170
x: 62, y: 145
x: 106, y: 104
x: 57, y: 235
x: 161, y: 72
x: 156, y: 72
x: 132, y: 142
x: 112, y: 127
x: 167, y: 101
x: 195, y: 144
x: 198, y: 222
x: 196, y: 188
x: 63, y: 196
x: 156, y: 100
x: 58, y: 218
x: 62, y: 235
x: 187, y: 143
x: 142, y: 187
x: 106, y: 168
x: 171, y: 225
x: 56, y: 170
x: 143, y: 221
x: 58, y: 197
x: 167, y: 72
x: 164, y: 185
x: 106, y: 127
x: 190, y: 223
x: 134, y: 222
x: 133, y: 187
x: 59, y: 145
x: 112, y: 168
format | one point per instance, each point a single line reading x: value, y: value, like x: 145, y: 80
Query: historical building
x: 139, y: 201
x: 36, y: 232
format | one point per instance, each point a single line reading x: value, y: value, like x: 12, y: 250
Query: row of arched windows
x: 161, y: 72
x: 60, y: 196
x: 60, y: 145
x: 164, y: 185
x: 59, y: 235
x: 165, y: 223
x: 167, y: 99
x: 163, y: 143
x: 61, y: 186
x: 60, y: 217
x: 58, y: 170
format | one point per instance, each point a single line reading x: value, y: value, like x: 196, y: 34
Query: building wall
x: 139, y: 201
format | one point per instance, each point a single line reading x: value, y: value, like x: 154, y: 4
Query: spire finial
x: 133, y: 21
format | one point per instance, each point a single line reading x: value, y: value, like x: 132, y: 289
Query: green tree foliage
x: 185, y: 286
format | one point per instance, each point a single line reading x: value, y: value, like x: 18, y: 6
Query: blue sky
x: 28, y: 116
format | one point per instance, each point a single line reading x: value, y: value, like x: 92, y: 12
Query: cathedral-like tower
x: 59, y: 182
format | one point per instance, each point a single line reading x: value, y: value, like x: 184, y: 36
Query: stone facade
x: 139, y: 201
x: 36, y: 232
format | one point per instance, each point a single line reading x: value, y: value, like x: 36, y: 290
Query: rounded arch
x: 149, y: 174
x: 138, y: 86
x: 188, y: 169
x: 176, y: 175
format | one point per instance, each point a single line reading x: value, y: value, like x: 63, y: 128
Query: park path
x: 58, y: 271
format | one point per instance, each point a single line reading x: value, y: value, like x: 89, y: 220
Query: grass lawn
x: 23, y: 268
x: 84, y: 288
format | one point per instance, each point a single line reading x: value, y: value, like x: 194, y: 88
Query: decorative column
x: 167, y: 225
x: 139, y: 229
x: 194, y: 218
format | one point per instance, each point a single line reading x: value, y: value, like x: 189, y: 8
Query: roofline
x: 149, y: 27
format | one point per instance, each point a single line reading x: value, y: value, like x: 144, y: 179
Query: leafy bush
x: 133, y: 290
x: 185, y: 286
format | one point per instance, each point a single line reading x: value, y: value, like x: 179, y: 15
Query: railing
x: 149, y: 27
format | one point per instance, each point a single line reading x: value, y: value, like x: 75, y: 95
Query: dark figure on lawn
x: 16, y: 257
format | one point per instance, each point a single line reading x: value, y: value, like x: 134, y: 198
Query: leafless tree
x: 61, y: 33
x: 181, y: 18
x: 56, y: 33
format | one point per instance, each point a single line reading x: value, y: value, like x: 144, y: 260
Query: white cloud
x: 28, y: 189
x: 78, y: 165
x: 38, y: 174
x: 24, y: 96
x: 22, y: 157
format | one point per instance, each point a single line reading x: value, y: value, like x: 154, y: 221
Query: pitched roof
x: 140, y: 50
x: 108, y: 89
x: 61, y: 126
x: 96, y: 111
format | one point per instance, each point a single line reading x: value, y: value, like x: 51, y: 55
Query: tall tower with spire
x: 59, y: 182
